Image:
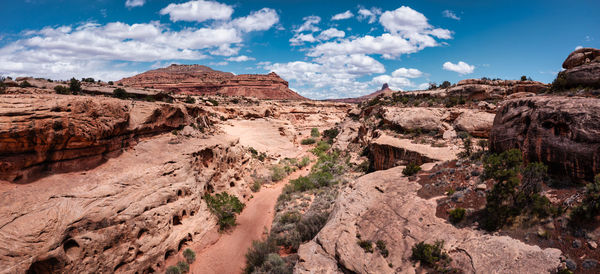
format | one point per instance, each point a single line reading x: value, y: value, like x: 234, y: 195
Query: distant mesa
x: 202, y: 80
x: 385, y: 90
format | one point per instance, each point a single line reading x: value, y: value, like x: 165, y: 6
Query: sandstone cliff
x: 562, y: 132
x: 582, y: 68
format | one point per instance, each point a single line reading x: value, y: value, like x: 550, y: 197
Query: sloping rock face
x: 582, y: 68
x: 562, y: 132
x: 479, y: 89
x: 385, y: 206
x: 476, y: 123
x: 40, y: 133
x: 202, y: 80
x: 130, y: 214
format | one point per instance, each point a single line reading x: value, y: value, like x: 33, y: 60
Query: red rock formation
x: 67, y: 133
x: 385, y: 90
x: 480, y: 89
x: 582, y: 68
x: 562, y: 132
x: 202, y: 80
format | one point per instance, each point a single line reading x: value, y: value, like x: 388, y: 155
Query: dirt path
x: 227, y: 255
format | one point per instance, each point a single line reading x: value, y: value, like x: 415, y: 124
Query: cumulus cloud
x: 241, y: 58
x: 369, y: 14
x: 395, y: 83
x: 578, y: 47
x: 408, y: 73
x: 259, y: 20
x: 450, y: 14
x: 309, y: 24
x: 301, y: 38
x: 198, y: 11
x: 331, y: 33
x: 461, y: 67
x: 134, y: 3
x: 341, y: 16
x: 411, y: 24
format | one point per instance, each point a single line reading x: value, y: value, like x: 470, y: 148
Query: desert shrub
x: 364, y: 166
x: 277, y: 173
x: 321, y: 148
x: 310, y: 224
x: 190, y: 100
x: 61, y: 90
x: 411, y: 169
x: 74, y: 85
x: 253, y: 151
x: 111, y: 83
x: 457, y: 215
x: 225, y: 207
x: 523, y: 78
x: 25, y: 84
x: 366, y: 245
x: 445, y: 84
x: 330, y: 134
x: 560, y: 83
x: 88, y: 80
x: 467, y: 146
x: 255, y: 187
x: 382, y: 248
x: 302, y: 184
x: 183, y: 266
x: 189, y: 255
x: 274, y: 264
x: 258, y: 253
x: 173, y: 270
x: 532, y: 178
x: 120, y: 93
x: 308, y: 141
x: 432, y: 85
x: 213, y: 102
x: 304, y: 162
x: 590, y: 206
x: 431, y: 255
x: 314, y: 132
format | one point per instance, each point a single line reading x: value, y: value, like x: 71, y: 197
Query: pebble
x: 576, y: 244
x: 482, y: 187
x: 592, y: 244
x: 571, y: 265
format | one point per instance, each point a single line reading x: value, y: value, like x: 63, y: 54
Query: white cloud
x: 241, y: 58
x: 331, y: 33
x: 578, y: 47
x: 408, y: 73
x: 369, y: 14
x: 395, y: 83
x: 309, y: 24
x: 259, y: 20
x: 450, y: 14
x: 423, y: 86
x: 341, y: 16
x: 198, y: 11
x: 386, y: 44
x: 411, y: 24
x: 300, y: 38
x: 134, y: 3
x: 461, y: 67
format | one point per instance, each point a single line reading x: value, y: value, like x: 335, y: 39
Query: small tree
x: 120, y: 93
x: 432, y: 85
x: 314, y: 132
x: 189, y: 255
x: 523, y: 78
x: 590, y: 206
x: 411, y: 169
x: 25, y: 84
x: 183, y: 267
x: 173, y: 270
x: 111, y: 83
x: 225, y: 207
x: 445, y: 84
x: 61, y: 90
x: 74, y: 85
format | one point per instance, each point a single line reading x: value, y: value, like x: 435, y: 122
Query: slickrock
x: 384, y: 205
x: 129, y: 214
x: 582, y: 68
x: 58, y: 133
x: 476, y: 123
x: 479, y: 89
x: 409, y: 119
x: 562, y: 132
x: 202, y: 80
x: 386, y: 152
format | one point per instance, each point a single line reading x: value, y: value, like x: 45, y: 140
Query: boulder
x: 582, y: 68
x: 580, y: 56
x: 411, y: 119
x: 476, y: 123
x: 562, y: 132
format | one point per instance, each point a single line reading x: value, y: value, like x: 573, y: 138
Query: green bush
x: 74, y: 85
x: 304, y: 162
x: 213, y: 102
x: 310, y: 224
x: 258, y: 253
x: 308, y: 141
x: 445, y: 84
x: 173, y: 270
x: 430, y: 255
x: 88, y: 80
x: 411, y: 169
x: 120, y: 93
x: 275, y: 264
x: 314, y: 132
x: 255, y: 187
x: 189, y: 255
x: 183, y: 266
x: 225, y: 207
x: 190, y: 100
x: 366, y: 245
x: 382, y: 248
x: 277, y: 173
x: 111, y: 83
x: 61, y: 90
x: 330, y: 134
x: 25, y: 84
x: 457, y: 215
x: 560, y: 83
x: 590, y: 206
x: 321, y: 148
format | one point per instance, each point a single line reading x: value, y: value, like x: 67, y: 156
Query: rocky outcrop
x: 384, y: 206
x: 384, y: 91
x: 582, y: 68
x: 412, y: 119
x: 480, y: 89
x: 55, y: 133
x: 386, y: 152
x: 562, y: 132
x: 128, y: 215
x: 476, y: 123
x: 202, y: 80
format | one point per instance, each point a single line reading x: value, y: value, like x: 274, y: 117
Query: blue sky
x: 325, y: 49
